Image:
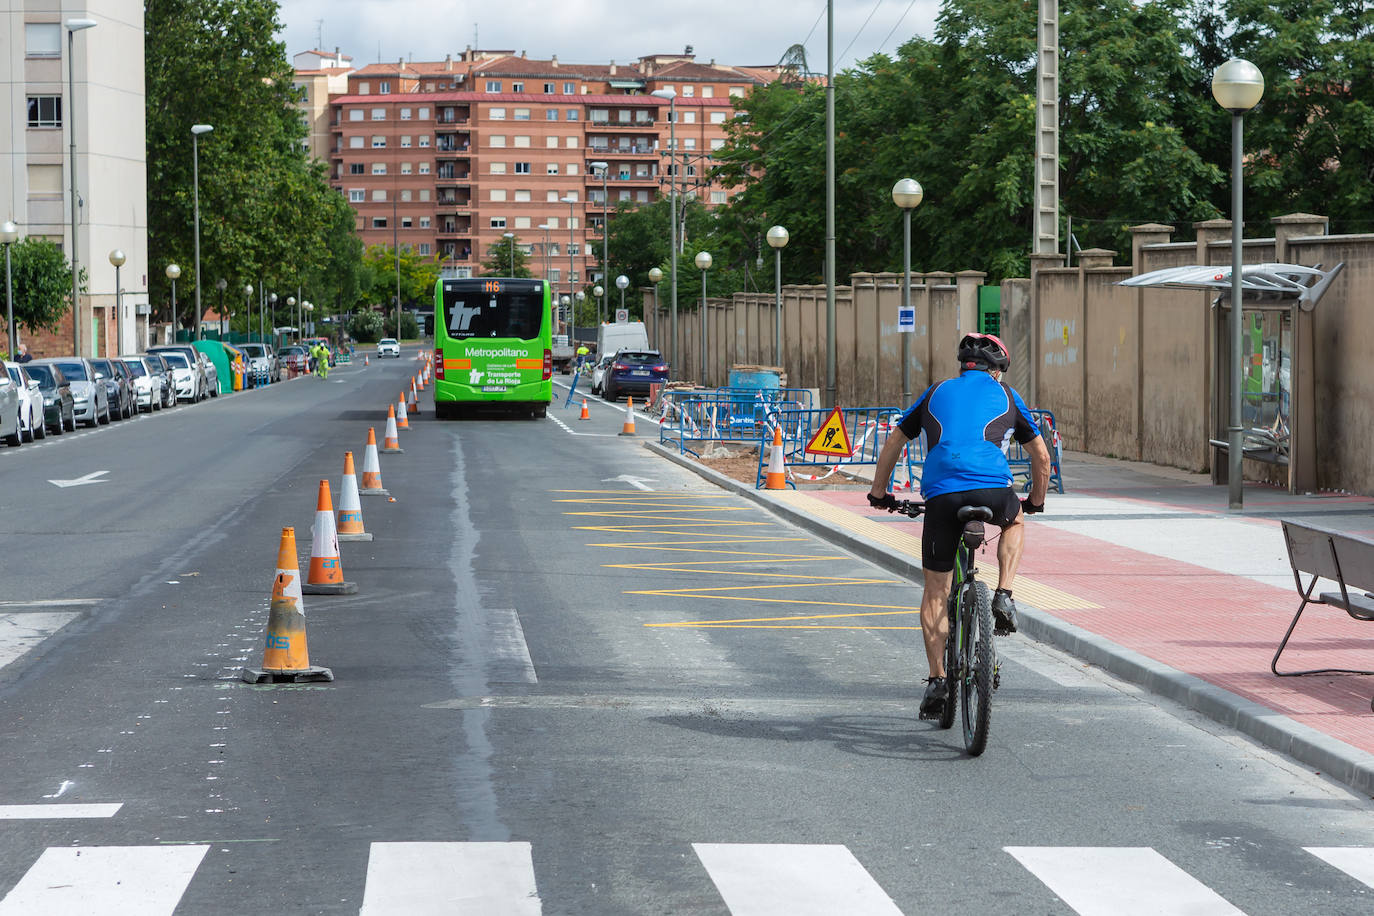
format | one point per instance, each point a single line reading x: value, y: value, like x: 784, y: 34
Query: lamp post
x: 604, y: 168
x: 510, y: 236
x: 247, y: 310
x: 906, y: 194
x: 173, y: 271
x: 196, y: 131
x: 600, y: 293
x: 9, y: 234
x: 655, y: 277
x: 777, y: 239
x: 621, y: 282
x: 74, y: 26
x: 703, y: 262
x: 545, y: 228
x: 116, y: 259
x: 563, y: 307
x: 295, y: 318
x: 222, y: 284
x: 1237, y: 86
x: 272, y: 308
x: 572, y: 315
x: 671, y: 96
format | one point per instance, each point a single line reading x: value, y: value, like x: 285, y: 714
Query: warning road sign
x: 832, y: 438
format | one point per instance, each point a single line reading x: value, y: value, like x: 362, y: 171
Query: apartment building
x: 452, y: 156
x: 106, y: 111
x: 320, y: 75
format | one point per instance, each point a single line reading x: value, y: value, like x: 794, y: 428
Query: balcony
x: 632, y: 151
x: 452, y: 179
x: 620, y: 126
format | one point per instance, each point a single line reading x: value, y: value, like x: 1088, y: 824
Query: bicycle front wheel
x: 978, y: 661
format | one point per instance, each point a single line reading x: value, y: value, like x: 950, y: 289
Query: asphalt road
x: 574, y: 679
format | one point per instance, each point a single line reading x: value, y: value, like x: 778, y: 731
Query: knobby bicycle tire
x: 951, y: 663
x: 976, y: 684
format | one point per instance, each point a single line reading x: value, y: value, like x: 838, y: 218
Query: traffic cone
x: 585, y: 415
x: 628, y: 429
x: 392, y: 443
x: 372, y: 468
x: 326, y: 567
x: 285, y: 655
x: 350, y: 507
x: 401, y: 421
x: 413, y: 407
x: 777, y: 477
x: 420, y: 379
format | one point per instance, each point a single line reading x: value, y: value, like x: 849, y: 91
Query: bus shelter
x: 1278, y: 397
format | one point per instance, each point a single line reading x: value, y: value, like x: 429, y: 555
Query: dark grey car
x: 92, y: 403
x: 59, y: 407
x: 119, y: 388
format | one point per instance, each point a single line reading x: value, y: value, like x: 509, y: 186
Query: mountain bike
x: 970, y: 658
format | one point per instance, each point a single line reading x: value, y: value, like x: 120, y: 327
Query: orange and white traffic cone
x: 777, y: 477
x: 420, y: 378
x: 401, y: 421
x: 326, y: 567
x: 585, y: 415
x: 350, y: 507
x: 372, y: 468
x: 392, y: 443
x: 628, y: 428
x: 413, y: 406
x: 365, y: 362
x: 286, y: 655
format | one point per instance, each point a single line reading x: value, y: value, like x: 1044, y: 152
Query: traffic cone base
x: 371, y: 483
x: 326, y: 566
x: 285, y: 654
x: 628, y: 429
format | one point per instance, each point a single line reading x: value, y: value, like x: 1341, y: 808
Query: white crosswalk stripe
x: 1355, y: 861
x: 56, y: 812
x: 793, y: 880
x: 458, y: 879
x: 20, y: 632
x: 1120, y: 881
x: 104, y: 881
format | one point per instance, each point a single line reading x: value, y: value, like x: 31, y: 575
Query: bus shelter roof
x: 1277, y: 283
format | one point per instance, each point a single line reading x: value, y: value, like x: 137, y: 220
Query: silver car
x: 262, y: 361
x: 92, y: 403
x: 9, y: 411
x: 31, y: 420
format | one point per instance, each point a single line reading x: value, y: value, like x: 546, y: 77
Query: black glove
x: 1031, y: 508
x: 886, y: 501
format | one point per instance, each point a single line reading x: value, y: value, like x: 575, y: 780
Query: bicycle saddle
x: 973, y: 518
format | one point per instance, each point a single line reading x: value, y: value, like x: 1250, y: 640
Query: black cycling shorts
x: 940, y: 534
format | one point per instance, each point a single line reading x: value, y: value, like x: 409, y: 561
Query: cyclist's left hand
x: 886, y: 501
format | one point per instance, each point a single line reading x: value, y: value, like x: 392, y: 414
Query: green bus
x: 493, y: 345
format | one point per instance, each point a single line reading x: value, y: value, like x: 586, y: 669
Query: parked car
x: 190, y: 361
x: 92, y: 403
x: 632, y: 372
x: 10, y: 406
x: 30, y: 402
x: 163, y: 370
x: 207, y: 365
x: 388, y: 346
x: 262, y: 360
x: 147, y: 386
x: 295, y: 359
x: 599, y: 372
x: 119, y: 387
x: 59, y: 406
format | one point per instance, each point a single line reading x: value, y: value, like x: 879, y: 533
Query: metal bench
x: 1342, y: 558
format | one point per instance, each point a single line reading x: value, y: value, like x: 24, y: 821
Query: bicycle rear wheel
x: 952, y: 673
x: 979, y: 658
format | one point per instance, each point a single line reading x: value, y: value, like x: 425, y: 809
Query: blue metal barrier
x: 868, y: 429
x: 1019, y: 458
x: 698, y: 420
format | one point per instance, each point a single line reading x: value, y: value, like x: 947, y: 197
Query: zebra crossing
x: 499, y: 879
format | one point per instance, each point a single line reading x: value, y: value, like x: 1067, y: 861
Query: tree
x: 41, y: 278
x: 501, y: 254
x: 418, y: 276
x: 410, y: 329
x: 366, y: 326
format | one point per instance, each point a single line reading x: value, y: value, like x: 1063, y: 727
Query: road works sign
x: 832, y: 438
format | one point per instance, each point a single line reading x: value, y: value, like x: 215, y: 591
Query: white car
x: 388, y: 346
x: 31, y: 423
x: 599, y: 371
x: 10, y: 430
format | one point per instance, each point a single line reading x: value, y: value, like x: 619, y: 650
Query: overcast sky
x: 755, y: 32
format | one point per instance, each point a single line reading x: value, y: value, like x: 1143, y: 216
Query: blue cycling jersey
x: 969, y: 421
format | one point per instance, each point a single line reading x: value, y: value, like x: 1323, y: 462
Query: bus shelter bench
x: 1342, y: 558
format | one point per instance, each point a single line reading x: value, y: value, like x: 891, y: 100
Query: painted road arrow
x: 638, y: 482
x: 92, y: 477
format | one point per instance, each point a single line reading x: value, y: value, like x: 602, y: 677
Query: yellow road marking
x: 652, y: 530
x: 674, y: 567
x: 739, y: 620
x: 676, y: 545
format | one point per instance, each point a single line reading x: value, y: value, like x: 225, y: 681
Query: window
x: 551, y: 142
x: 517, y: 87
x: 689, y: 117
x: 522, y: 168
x: 552, y: 222
x: 405, y: 168
x: 356, y: 195
x: 736, y: 92
x: 424, y: 246
x: 45, y: 111
x: 691, y: 171
x: 356, y: 168
x: 522, y: 196
x: 551, y: 197
x: 718, y: 143
x: 550, y: 114
x: 708, y: 92
x: 405, y: 114
x: 548, y: 88
x: 355, y: 142
x: 424, y: 222
x: 572, y: 222
x: 572, y: 114
x: 498, y: 168
x: 717, y: 117
x: 379, y: 222
x: 424, y: 140
x: 405, y: 196
x: 572, y: 168
x: 497, y: 141
x: 384, y: 87
x: 423, y: 114
x: 493, y: 85
x: 522, y: 222
x: 424, y: 170
x: 498, y: 194
x: 599, y: 115
x: 642, y: 197
x: 689, y: 143
x: 553, y: 271
x: 717, y: 197
x: 43, y: 39
x: 522, y: 114
x: 574, y: 250
x: 624, y: 115
x: 569, y: 89
x: 498, y: 222
x: 379, y: 168
x: 364, y: 88
x: 572, y: 143
x: 572, y: 194
x: 668, y: 87
x: 522, y: 141
x: 378, y: 141
x: 379, y: 114
x: 496, y: 114
x: 424, y: 194
x: 405, y: 142
x: 405, y: 222
x: 689, y: 91
x: 355, y: 114
x: 624, y: 195
x: 551, y: 168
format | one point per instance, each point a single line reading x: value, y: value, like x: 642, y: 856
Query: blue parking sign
x: 906, y: 320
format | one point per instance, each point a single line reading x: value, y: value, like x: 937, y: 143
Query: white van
x: 622, y: 335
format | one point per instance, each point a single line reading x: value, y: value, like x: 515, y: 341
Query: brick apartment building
x: 450, y: 156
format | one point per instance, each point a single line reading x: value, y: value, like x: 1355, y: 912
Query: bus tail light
x: 548, y: 365
x: 439, y: 363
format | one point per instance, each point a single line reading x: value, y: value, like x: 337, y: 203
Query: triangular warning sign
x: 832, y: 438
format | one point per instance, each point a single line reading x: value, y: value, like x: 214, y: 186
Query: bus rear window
x: 475, y: 314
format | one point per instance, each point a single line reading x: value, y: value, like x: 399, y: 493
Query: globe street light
x: 173, y: 271
x: 117, y: 259
x: 9, y: 234
x: 196, y: 131
x: 272, y: 308
x: 300, y: 325
x: 247, y: 306
x: 1237, y: 86
x: 703, y: 262
x: 599, y: 292
x: 74, y: 26
x: 603, y: 168
x: 906, y: 194
x: 511, y: 237
x: 777, y: 239
x: 655, y: 277
x: 621, y: 282
x: 671, y: 96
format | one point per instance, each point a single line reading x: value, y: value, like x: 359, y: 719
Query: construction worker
x: 582, y: 352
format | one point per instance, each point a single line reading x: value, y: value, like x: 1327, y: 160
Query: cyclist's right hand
x: 1031, y: 508
x: 886, y: 501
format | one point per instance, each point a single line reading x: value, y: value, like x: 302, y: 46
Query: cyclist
x: 967, y: 420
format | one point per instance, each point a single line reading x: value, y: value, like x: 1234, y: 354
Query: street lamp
x: 777, y: 240
x: 196, y: 131
x: 572, y: 316
x: 173, y: 271
x: 655, y: 277
x: 74, y: 26
x: 511, y: 237
x: 1237, y: 86
x: 621, y: 282
x: 296, y: 319
x: 604, y: 169
x: 545, y: 228
x: 222, y: 284
x: 272, y: 308
x: 703, y: 262
x: 906, y: 194
x: 671, y: 96
x: 117, y: 259
x: 247, y: 307
x: 9, y: 234
x: 600, y: 293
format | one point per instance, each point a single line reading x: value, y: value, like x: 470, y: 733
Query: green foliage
x: 418, y: 276
x: 500, y: 256
x: 41, y: 278
x: 409, y: 328
x: 366, y: 326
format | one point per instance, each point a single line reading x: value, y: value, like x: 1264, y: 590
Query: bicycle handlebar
x: 909, y: 507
